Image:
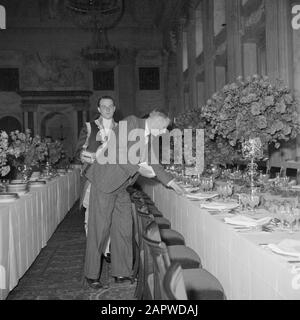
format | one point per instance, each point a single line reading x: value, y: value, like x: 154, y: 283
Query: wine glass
x: 296, y: 212
x: 254, y: 199
x: 290, y: 218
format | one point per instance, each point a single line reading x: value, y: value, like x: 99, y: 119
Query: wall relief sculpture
x: 52, y: 72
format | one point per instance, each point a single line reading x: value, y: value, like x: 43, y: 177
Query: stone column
x: 272, y: 39
x: 171, y: 85
x: 192, y: 58
x: 36, y: 123
x: 180, y: 82
x: 285, y: 43
x: 279, y: 48
x: 208, y: 46
x: 127, y: 83
x: 234, y: 42
x: 220, y: 77
x: 25, y: 120
x: 84, y: 116
x: 200, y: 93
x: 250, y: 58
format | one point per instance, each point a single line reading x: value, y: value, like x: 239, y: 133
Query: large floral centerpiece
x: 4, y: 166
x: 252, y: 108
x: 216, y: 148
x: 55, y: 151
x: 25, y: 151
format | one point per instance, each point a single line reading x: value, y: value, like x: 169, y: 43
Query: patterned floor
x: 57, y: 273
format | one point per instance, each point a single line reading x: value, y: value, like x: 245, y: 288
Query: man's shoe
x: 124, y: 279
x: 94, y: 283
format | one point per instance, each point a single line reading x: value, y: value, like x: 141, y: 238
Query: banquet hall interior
x: 205, y: 64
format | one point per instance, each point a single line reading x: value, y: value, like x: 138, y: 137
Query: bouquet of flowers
x: 55, y: 151
x: 252, y: 108
x: 4, y: 167
x: 26, y: 150
x: 252, y: 149
x: 216, y: 148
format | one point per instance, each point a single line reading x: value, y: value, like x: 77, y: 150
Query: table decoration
x: 4, y: 167
x: 225, y: 190
x: 252, y: 108
x: 25, y: 151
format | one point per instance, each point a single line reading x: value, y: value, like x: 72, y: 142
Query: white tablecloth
x: 245, y: 269
x: 28, y: 223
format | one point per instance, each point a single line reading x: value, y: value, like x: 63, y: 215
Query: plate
x: 181, y: 184
x: 194, y: 190
x: 201, y: 196
x: 19, y: 188
x: 244, y: 221
x: 287, y: 247
x: 37, y: 183
x: 8, y: 197
x: 17, y: 181
x: 220, y: 205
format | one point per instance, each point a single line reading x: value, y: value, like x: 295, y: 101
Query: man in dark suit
x: 109, y: 200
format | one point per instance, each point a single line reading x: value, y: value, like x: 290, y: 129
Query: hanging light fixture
x: 98, y: 16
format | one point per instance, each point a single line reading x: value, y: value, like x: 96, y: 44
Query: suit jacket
x: 93, y: 142
x: 110, y: 177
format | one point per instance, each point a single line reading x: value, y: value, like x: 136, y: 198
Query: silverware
x: 293, y: 261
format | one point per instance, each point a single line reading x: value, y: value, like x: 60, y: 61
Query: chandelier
x: 98, y: 16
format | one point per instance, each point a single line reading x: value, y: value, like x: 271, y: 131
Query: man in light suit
x: 110, y: 202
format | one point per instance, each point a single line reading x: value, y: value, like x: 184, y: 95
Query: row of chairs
x: 165, y: 267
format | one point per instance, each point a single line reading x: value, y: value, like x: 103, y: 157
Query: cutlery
x: 293, y: 261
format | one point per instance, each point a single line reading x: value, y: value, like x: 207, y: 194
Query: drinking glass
x: 296, y: 212
x: 254, y: 199
x: 290, y: 218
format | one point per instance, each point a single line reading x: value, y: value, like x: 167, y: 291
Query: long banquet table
x: 246, y: 269
x: 28, y: 223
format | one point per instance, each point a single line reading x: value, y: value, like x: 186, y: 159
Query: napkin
x: 247, y: 221
x: 288, y: 247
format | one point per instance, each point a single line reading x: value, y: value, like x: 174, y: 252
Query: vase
x: 24, y: 172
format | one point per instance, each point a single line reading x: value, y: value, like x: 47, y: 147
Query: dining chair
x: 176, y: 241
x: 200, y: 284
x: 173, y: 283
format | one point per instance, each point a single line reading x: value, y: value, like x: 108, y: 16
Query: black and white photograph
x: 149, y: 151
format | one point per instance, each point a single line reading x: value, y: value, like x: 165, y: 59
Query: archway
x: 57, y: 126
x: 9, y: 123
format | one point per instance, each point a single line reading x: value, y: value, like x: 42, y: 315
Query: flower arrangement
x: 4, y: 167
x: 252, y: 149
x: 55, y: 151
x: 252, y: 108
x: 25, y: 150
x: 217, y: 150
